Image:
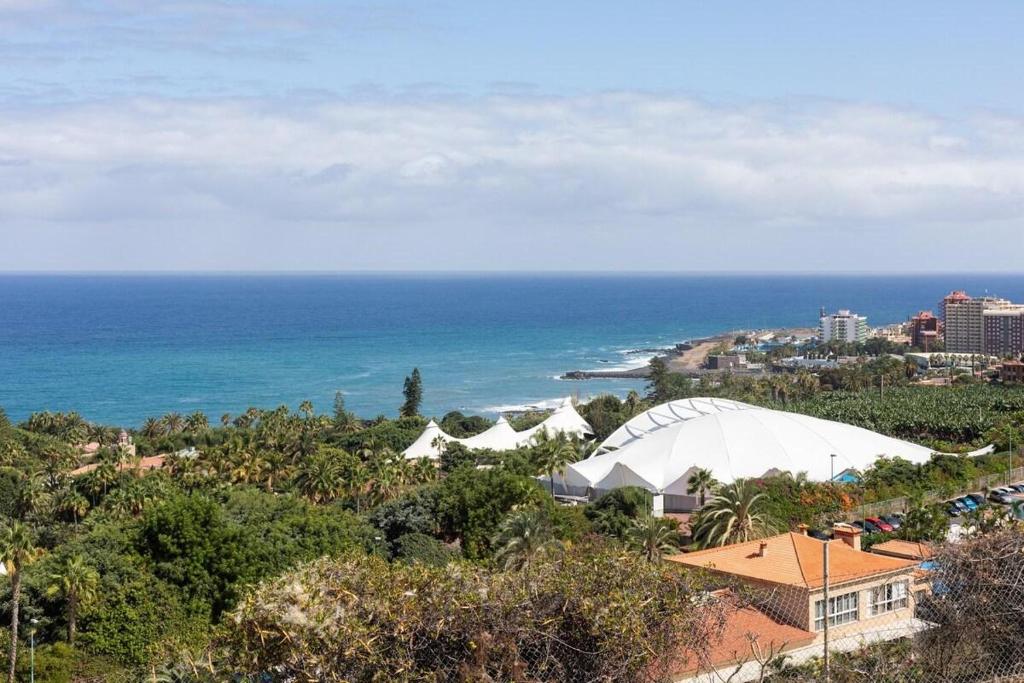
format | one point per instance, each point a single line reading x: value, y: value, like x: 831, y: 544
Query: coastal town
x: 980, y: 335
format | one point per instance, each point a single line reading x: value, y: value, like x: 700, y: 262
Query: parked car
x: 871, y: 528
x: 977, y: 498
x: 820, y: 535
x: 1000, y: 496
x: 969, y: 502
x: 960, y: 506
x: 952, y: 510
x: 894, y: 520
x: 1019, y: 488
x: 880, y: 523
x: 859, y: 523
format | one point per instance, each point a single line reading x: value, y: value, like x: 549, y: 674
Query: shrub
x: 589, y: 615
x: 424, y: 549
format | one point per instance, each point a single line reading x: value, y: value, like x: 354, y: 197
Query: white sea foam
x: 546, y: 404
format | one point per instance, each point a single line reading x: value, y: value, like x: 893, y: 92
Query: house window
x: 842, y: 610
x: 887, y: 598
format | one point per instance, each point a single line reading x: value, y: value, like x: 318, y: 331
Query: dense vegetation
x: 119, y: 571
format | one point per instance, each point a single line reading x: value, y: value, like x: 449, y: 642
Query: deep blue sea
x: 120, y: 348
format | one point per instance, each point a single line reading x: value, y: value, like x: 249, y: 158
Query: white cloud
x: 509, y: 182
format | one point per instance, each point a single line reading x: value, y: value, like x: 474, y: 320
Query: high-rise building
x: 843, y: 326
x: 925, y: 330
x: 1004, y: 331
x: 965, y: 327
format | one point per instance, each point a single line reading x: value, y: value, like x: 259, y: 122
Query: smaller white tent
x: 499, y: 437
x: 424, y: 446
x: 565, y: 419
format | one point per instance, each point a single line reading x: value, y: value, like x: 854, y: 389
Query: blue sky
x: 200, y: 134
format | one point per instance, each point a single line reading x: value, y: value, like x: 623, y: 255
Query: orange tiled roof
x: 152, y: 462
x: 733, y: 644
x: 910, y: 550
x: 792, y: 559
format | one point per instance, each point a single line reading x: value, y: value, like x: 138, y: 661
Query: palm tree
x: 173, y: 423
x: 319, y: 477
x: 553, y: 454
x: 152, y: 428
x: 17, y: 550
x: 30, y: 497
x: 652, y: 537
x: 306, y: 408
x: 76, y: 582
x: 71, y: 502
x: 105, y: 476
x: 523, y: 535
x: 197, y: 423
x: 733, y: 515
x: 700, y: 482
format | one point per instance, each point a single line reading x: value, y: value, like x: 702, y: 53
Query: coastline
x: 686, y: 357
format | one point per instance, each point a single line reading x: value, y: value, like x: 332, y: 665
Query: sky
x: 599, y: 136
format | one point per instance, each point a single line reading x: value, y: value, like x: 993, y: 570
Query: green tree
x: 701, y: 481
x: 652, y: 537
x: 733, y: 515
x: 197, y: 423
x: 17, y: 550
x: 523, y: 535
x: 76, y: 582
x: 413, y: 392
x: 320, y: 477
x: 553, y: 454
x: 471, y: 505
x: 613, y: 513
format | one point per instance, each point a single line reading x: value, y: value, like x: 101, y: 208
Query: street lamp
x: 832, y: 467
x: 32, y: 649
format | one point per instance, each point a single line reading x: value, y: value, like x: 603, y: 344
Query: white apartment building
x: 843, y: 326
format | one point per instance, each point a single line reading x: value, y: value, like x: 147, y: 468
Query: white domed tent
x: 499, y: 437
x: 665, y: 415
x: 424, y: 446
x: 739, y: 444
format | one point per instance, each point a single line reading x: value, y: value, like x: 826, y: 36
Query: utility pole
x: 828, y: 612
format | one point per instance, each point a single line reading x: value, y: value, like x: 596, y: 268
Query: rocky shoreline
x: 686, y: 357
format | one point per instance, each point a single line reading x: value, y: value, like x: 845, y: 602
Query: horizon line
x: 508, y: 272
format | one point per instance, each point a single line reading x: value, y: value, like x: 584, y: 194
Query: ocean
x: 120, y: 348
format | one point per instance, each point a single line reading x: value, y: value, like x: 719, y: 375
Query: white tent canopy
x: 736, y: 444
x: 501, y: 436
x: 424, y: 446
x: 665, y: 415
x: 496, y: 438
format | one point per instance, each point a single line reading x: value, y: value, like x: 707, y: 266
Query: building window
x: 887, y: 598
x: 842, y: 610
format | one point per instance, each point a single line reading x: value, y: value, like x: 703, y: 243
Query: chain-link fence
x: 907, y: 612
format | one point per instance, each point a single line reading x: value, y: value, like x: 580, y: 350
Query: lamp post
x: 832, y: 467
x: 32, y: 650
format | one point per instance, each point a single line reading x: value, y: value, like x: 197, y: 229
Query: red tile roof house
x: 147, y: 464
x: 871, y: 599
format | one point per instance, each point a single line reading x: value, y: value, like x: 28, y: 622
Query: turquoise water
x: 121, y: 348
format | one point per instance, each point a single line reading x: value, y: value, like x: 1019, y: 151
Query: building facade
x: 925, y: 330
x: 987, y: 325
x: 843, y: 326
x: 1004, y: 331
